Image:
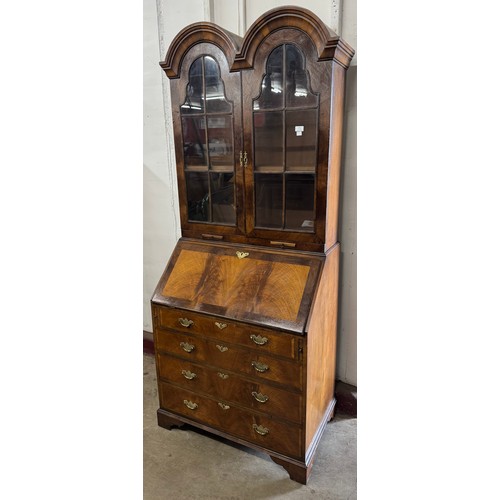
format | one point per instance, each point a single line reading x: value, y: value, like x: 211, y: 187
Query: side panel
x: 335, y: 155
x: 321, y: 346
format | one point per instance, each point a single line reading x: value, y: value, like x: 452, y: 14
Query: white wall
x: 163, y: 19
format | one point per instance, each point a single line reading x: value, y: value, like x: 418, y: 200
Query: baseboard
x: 346, y: 394
x: 347, y: 398
x: 148, y: 346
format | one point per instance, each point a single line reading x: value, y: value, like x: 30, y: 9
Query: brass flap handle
x: 258, y: 339
x: 220, y: 326
x: 186, y: 322
x: 190, y: 404
x: 223, y: 376
x: 186, y: 346
x: 260, y: 367
x: 260, y: 429
x: 189, y: 375
x: 222, y: 348
x: 223, y: 406
x: 242, y: 255
x: 261, y: 398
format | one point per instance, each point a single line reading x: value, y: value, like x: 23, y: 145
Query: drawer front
x: 232, y: 388
x: 263, y: 431
x: 229, y: 357
x: 261, y: 339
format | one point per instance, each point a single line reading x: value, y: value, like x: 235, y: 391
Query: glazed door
x: 207, y: 125
x: 286, y: 104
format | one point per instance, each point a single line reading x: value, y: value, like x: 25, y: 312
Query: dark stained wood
x: 234, y: 359
x: 211, y: 310
x: 283, y: 437
x: 321, y: 83
x: 233, y: 332
x: 297, y: 472
x: 233, y: 388
x: 193, y: 34
x: 167, y: 421
x: 328, y: 44
x: 232, y: 85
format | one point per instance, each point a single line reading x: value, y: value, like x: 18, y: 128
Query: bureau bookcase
x: 245, y: 313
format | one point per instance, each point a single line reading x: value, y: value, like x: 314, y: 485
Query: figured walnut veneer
x: 245, y: 322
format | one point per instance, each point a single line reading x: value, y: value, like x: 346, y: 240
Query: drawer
x: 251, y: 394
x: 261, y: 339
x: 230, y: 357
x: 263, y: 431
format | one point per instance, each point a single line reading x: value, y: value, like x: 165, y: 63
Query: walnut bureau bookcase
x: 245, y: 314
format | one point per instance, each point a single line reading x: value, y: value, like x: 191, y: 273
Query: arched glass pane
x: 298, y: 93
x: 194, y: 102
x: 214, y: 88
x: 271, y: 95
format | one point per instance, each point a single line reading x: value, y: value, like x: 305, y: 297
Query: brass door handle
x: 258, y: 339
x: 189, y: 375
x: 223, y: 376
x: 190, y: 404
x: 243, y: 159
x: 261, y: 398
x: 260, y: 367
x: 220, y: 326
x: 223, y: 406
x: 260, y: 429
x: 186, y: 322
x: 222, y: 348
x: 186, y: 346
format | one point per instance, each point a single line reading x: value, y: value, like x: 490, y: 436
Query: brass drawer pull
x: 189, y: 375
x: 190, y: 404
x: 258, y: 339
x: 260, y: 367
x: 187, y: 347
x: 220, y: 326
x: 186, y: 322
x: 261, y: 398
x: 223, y: 406
x: 223, y: 376
x: 222, y: 348
x: 260, y: 429
x: 242, y: 255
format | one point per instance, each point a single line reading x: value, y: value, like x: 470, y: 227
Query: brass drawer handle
x: 260, y: 429
x: 223, y: 376
x: 220, y: 326
x: 258, y: 339
x: 261, y: 398
x: 260, y: 367
x: 190, y: 404
x: 189, y: 375
x: 186, y: 322
x: 222, y: 348
x: 187, y: 347
x: 242, y: 255
x: 223, y: 406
